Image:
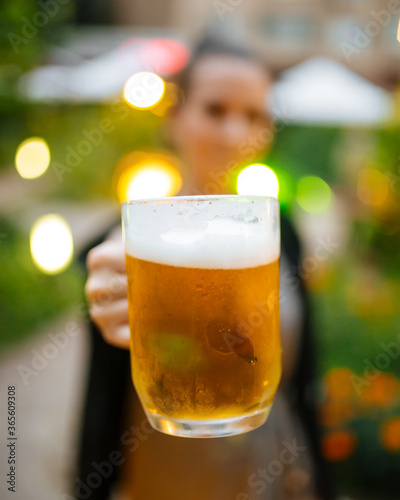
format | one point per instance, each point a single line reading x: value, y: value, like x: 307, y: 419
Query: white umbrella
x: 94, y: 80
x: 322, y: 91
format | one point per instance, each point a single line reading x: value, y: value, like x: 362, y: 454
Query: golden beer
x: 205, y: 342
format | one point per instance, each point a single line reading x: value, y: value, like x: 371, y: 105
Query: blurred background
x: 76, y: 141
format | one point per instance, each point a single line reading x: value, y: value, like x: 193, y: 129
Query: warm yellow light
x: 149, y: 179
x: 258, y: 179
x: 144, y: 90
x: 169, y: 99
x: 32, y: 158
x: 52, y: 245
x: 313, y: 194
x: 372, y: 187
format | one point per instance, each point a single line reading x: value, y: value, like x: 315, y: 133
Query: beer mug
x: 203, y: 293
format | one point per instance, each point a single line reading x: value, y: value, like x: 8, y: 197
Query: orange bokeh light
x: 145, y: 175
x: 338, y: 446
x: 390, y: 434
x: 338, y: 385
x: 383, y: 391
x: 372, y: 187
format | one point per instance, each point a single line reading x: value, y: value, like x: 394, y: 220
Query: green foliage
x: 64, y: 129
x: 306, y: 150
x: 353, y: 315
x: 27, y: 29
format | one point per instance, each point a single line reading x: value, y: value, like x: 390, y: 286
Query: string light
x: 258, y: 179
x: 32, y: 158
x: 143, y: 90
x: 51, y: 244
x: 147, y: 176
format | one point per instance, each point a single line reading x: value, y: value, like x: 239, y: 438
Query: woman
x: 221, y: 124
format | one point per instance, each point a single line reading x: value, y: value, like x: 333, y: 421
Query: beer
x: 204, y: 319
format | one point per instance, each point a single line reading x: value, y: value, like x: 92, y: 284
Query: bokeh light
x: 151, y: 177
x: 313, y: 194
x: 164, y: 55
x: 398, y: 33
x: 372, y: 187
x: 390, y: 434
x: 337, y: 383
x: 383, y: 391
x: 143, y: 90
x: 259, y: 180
x: 338, y: 446
x: 32, y: 158
x: 339, y: 405
x: 51, y: 244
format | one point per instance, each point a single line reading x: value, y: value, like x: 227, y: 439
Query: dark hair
x: 215, y: 46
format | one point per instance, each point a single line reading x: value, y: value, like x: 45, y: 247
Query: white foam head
x: 224, y: 232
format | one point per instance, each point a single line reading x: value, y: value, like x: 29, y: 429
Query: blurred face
x: 223, y: 122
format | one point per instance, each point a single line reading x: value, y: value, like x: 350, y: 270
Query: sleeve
x: 302, y: 383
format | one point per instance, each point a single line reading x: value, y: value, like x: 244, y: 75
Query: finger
x: 105, y: 286
x: 110, y: 254
x: 118, y: 336
x: 112, y: 314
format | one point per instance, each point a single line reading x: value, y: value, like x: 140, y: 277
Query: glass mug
x: 203, y: 294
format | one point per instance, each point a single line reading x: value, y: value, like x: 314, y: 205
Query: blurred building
x: 358, y: 33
